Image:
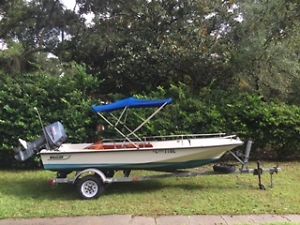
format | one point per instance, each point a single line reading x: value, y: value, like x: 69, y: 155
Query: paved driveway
x: 160, y: 220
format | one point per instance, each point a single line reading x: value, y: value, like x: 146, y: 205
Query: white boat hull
x: 164, y: 155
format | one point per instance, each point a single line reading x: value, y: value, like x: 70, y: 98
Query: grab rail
x: 163, y: 137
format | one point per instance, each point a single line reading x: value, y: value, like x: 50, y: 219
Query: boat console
x: 53, y: 137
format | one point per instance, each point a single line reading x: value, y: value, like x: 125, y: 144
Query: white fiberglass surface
x: 179, y: 143
x: 136, y: 157
x: 197, y: 142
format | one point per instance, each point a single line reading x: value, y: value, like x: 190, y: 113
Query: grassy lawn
x: 27, y: 194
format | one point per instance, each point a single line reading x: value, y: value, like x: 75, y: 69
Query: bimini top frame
x: 124, y: 105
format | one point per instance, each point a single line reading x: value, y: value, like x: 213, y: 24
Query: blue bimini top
x: 131, y: 103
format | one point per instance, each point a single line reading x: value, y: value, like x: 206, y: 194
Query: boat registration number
x: 165, y: 151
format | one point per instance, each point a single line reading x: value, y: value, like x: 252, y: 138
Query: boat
x: 163, y: 153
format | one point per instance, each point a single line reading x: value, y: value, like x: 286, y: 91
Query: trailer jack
x: 259, y: 171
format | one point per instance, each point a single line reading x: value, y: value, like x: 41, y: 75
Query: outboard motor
x: 54, y: 136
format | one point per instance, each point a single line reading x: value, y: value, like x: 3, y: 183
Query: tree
x: 141, y: 45
x: 138, y: 45
x: 266, y: 59
x: 36, y: 26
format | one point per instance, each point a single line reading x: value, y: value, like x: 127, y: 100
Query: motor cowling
x: 53, y: 137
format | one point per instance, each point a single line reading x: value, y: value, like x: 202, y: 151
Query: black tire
x: 224, y: 168
x: 90, y: 187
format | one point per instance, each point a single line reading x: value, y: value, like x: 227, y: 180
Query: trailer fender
x: 91, y: 171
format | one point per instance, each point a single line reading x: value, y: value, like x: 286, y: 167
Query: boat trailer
x: 91, y: 182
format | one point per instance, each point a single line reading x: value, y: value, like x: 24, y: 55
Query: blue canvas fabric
x: 131, y: 103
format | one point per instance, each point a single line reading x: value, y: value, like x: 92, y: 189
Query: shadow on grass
x: 147, y: 186
x: 153, y: 185
x: 39, y: 189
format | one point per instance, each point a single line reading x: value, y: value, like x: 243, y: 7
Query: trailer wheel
x: 90, y: 187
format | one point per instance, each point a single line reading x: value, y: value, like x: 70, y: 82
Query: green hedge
x: 58, y: 98
x: 274, y: 127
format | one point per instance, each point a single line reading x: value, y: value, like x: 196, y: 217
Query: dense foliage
x: 138, y: 45
x: 274, y: 127
x: 58, y: 98
x: 231, y: 66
